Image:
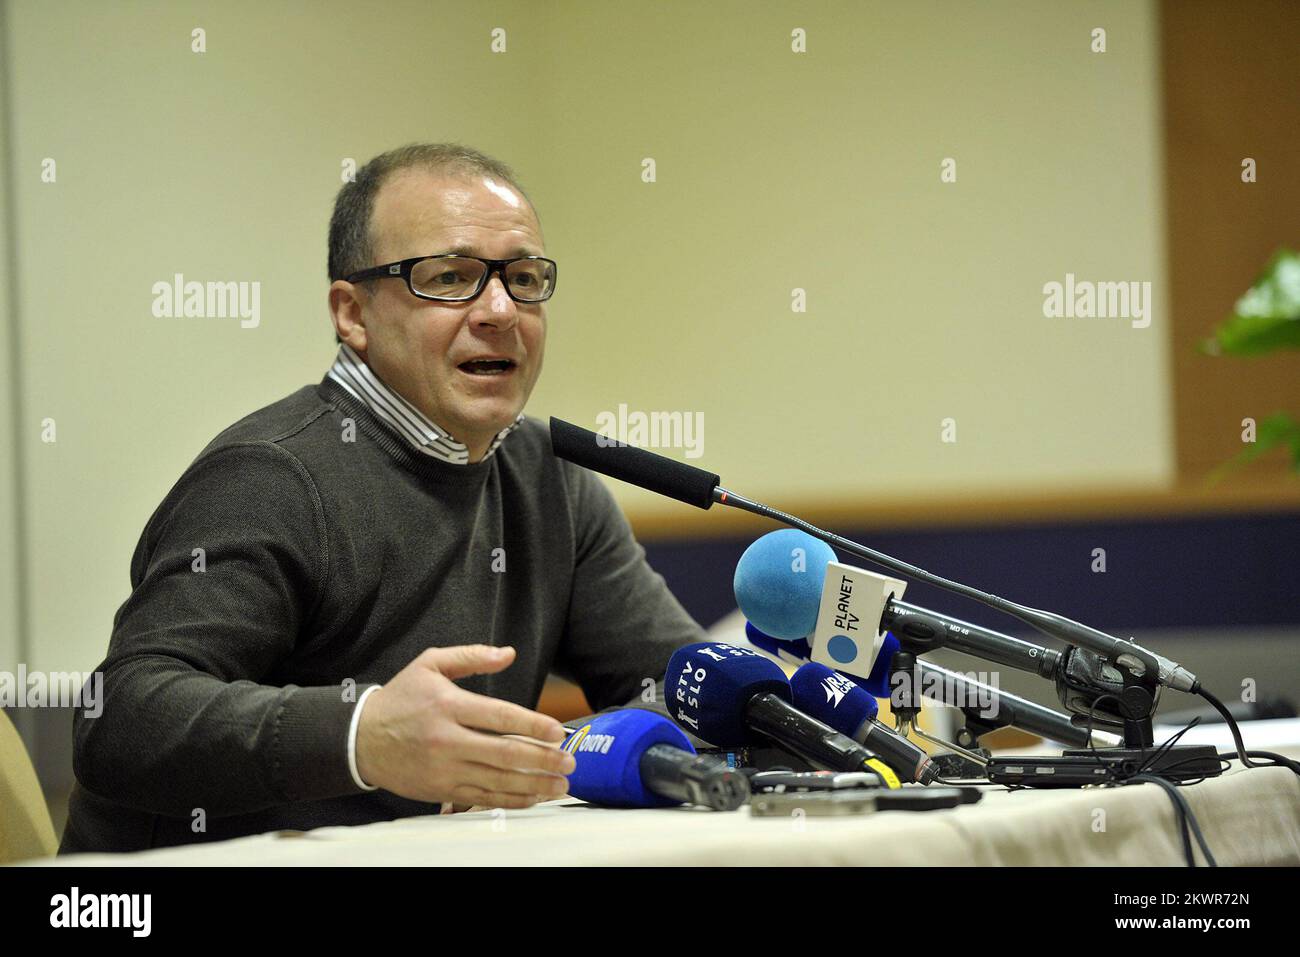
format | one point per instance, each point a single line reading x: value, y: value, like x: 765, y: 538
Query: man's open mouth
x: 487, y: 366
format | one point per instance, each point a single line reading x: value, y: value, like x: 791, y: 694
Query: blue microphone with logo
x: 731, y: 697
x: 835, y: 699
x: 636, y: 758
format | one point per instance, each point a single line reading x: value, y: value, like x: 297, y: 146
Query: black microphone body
x: 693, y: 778
x: 1006, y: 709
x: 823, y: 747
x: 1144, y: 664
x: 896, y: 751
x: 818, y: 744
x: 1082, y: 678
x: 633, y: 465
x: 920, y: 630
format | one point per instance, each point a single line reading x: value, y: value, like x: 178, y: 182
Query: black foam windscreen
x: 627, y: 463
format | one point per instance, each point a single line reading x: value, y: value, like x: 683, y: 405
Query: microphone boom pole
x: 694, y: 486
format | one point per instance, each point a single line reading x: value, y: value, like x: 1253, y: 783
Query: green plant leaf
x: 1267, y: 317
x: 1277, y: 430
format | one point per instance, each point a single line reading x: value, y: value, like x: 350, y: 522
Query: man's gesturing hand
x: 417, y: 736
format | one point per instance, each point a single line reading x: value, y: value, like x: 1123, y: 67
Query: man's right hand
x: 421, y: 736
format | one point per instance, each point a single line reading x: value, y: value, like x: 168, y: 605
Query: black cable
x: 1188, y: 825
x: 1225, y: 762
x: 1275, y: 760
x: 1242, y: 754
x: 1183, y: 812
x: 1165, y: 748
x: 967, y: 782
x: 1183, y: 816
x: 1180, y: 819
x: 1092, y: 746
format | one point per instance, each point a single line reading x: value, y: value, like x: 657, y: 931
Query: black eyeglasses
x: 455, y: 278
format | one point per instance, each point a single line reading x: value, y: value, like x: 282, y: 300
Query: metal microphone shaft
x: 924, y: 630
x: 693, y: 778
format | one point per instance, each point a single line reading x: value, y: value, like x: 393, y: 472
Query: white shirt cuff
x: 352, y: 739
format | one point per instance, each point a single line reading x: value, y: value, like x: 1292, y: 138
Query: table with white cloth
x: 1249, y: 816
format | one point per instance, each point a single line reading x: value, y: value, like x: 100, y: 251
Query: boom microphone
x: 633, y: 465
x: 636, y: 758
x: 700, y: 488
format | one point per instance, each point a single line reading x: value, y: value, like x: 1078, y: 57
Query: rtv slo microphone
x: 732, y: 696
x: 636, y: 758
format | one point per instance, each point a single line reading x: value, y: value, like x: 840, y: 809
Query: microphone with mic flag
x: 782, y: 586
x: 636, y: 758
x: 789, y: 586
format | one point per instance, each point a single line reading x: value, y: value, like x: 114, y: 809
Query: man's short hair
x: 351, y: 247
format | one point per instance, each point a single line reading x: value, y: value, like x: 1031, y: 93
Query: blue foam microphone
x: 636, y: 758
x: 778, y: 582
x: 731, y: 697
x: 858, y: 617
x: 709, y: 687
x: 829, y: 696
x: 790, y: 586
x: 833, y: 698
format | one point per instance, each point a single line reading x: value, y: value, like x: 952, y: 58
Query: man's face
x: 420, y: 347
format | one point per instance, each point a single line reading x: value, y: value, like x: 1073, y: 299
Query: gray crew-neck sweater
x: 332, y: 554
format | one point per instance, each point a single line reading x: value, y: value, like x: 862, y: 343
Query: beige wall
x: 11, y: 649
x: 775, y: 170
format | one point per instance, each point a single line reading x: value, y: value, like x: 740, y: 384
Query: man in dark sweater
x: 346, y: 607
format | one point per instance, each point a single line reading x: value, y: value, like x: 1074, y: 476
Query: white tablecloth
x: 1247, y: 816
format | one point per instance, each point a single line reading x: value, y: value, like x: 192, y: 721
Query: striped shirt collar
x: 352, y: 373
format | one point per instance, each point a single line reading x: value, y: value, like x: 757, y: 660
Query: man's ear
x: 347, y: 309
